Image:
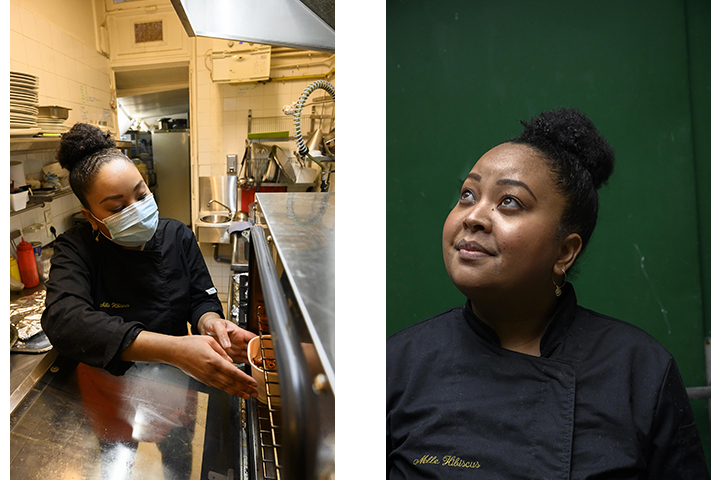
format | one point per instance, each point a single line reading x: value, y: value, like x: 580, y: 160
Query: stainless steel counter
x: 302, y: 226
x: 152, y: 422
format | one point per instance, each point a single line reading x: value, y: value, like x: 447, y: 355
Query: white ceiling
x: 153, y: 93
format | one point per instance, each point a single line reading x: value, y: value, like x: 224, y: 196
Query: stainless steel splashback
x: 220, y: 188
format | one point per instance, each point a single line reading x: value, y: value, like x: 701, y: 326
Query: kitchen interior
x: 228, y: 112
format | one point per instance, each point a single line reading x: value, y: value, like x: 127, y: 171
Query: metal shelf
x: 46, y: 144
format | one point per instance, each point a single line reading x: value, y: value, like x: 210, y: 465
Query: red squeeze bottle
x: 27, y: 264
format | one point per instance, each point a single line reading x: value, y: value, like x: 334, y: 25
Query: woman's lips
x: 470, y: 250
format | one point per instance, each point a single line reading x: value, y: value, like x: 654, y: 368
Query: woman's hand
x: 199, y: 356
x: 231, y: 338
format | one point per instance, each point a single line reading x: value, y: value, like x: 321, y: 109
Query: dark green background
x: 460, y: 76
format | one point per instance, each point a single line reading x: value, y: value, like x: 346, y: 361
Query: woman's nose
x: 478, y: 218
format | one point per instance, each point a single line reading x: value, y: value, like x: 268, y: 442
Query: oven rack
x: 270, y: 414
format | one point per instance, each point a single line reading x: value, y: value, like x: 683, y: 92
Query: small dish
x: 254, y: 352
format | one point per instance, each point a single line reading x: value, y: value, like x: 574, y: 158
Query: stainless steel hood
x: 306, y: 24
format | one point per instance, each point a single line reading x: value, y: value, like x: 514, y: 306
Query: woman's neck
x: 518, y: 324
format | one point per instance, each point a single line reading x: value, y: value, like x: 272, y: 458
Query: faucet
x: 230, y: 212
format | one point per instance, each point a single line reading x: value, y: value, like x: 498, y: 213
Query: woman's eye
x: 466, y: 196
x: 509, y: 202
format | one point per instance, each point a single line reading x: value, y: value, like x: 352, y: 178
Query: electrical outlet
x: 48, y: 216
x: 47, y: 229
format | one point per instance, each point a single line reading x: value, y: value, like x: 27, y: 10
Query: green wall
x: 460, y: 76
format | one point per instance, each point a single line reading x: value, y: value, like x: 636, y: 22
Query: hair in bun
x: 581, y: 159
x: 83, y: 150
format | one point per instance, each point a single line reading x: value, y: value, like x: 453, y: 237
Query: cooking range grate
x: 270, y: 414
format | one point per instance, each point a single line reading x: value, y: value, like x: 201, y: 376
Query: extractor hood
x: 304, y: 24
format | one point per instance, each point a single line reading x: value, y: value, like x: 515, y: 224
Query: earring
x: 97, y: 235
x: 558, y: 288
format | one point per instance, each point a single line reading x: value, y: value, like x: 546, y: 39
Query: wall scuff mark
x: 657, y: 298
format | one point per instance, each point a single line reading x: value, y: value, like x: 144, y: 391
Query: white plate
x: 23, y: 94
x: 23, y: 132
x: 22, y: 74
x: 24, y: 103
x: 23, y: 98
x: 23, y: 77
x: 23, y: 109
x: 19, y: 83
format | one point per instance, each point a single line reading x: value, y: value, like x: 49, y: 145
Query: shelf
x: 40, y: 204
x: 45, y: 144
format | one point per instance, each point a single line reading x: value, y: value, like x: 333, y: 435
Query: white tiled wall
x: 71, y: 74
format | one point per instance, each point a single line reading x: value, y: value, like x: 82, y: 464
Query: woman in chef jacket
x: 521, y: 382
x: 124, y: 286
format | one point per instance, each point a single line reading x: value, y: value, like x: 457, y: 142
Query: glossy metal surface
x: 302, y: 226
x: 215, y: 218
x: 152, y: 422
x: 286, y: 23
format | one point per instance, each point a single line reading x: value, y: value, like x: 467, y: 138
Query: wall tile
x: 57, y: 38
x: 229, y: 104
x: 43, y: 32
x: 17, y: 47
x: 70, y: 67
x: 15, y: 20
x: 33, y: 52
x: 48, y: 59
x: 29, y: 27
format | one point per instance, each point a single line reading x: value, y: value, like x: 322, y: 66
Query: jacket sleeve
x: 203, y: 294
x: 71, y: 322
x: 677, y: 452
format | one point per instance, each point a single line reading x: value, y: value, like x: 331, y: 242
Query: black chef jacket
x: 603, y: 401
x: 100, y: 296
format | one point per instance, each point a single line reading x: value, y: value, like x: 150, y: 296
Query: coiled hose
x: 323, y: 84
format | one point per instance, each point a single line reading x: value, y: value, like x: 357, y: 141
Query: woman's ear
x: 569, y: 250
x: 90, y: 218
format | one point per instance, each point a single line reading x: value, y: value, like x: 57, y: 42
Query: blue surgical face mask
x: 134, y: 225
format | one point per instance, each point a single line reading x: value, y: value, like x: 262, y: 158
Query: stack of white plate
x: 23, y: 104
x: 52, y: 124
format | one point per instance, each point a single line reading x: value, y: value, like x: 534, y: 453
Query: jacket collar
x: 556, y: 329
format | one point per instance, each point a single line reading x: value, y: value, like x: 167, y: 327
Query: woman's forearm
x: 151, y: 347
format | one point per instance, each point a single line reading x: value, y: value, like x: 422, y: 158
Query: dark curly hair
x: 83, y: 150
x: 579, y: 157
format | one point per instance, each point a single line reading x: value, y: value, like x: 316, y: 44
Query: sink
x: 215, y: 218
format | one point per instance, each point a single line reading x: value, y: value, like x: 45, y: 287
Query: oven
x: 68, y: 420
x: 290, y: 298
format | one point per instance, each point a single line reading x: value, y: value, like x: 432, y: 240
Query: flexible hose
x: 323, y: 84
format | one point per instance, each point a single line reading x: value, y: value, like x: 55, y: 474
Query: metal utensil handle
x: 300, y: 434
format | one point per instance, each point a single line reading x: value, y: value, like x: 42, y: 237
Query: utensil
x: 53, y: 111
x: 314, y: 142
x: 273, y: 170
x: 258, y: 162
x: 285, y: 164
